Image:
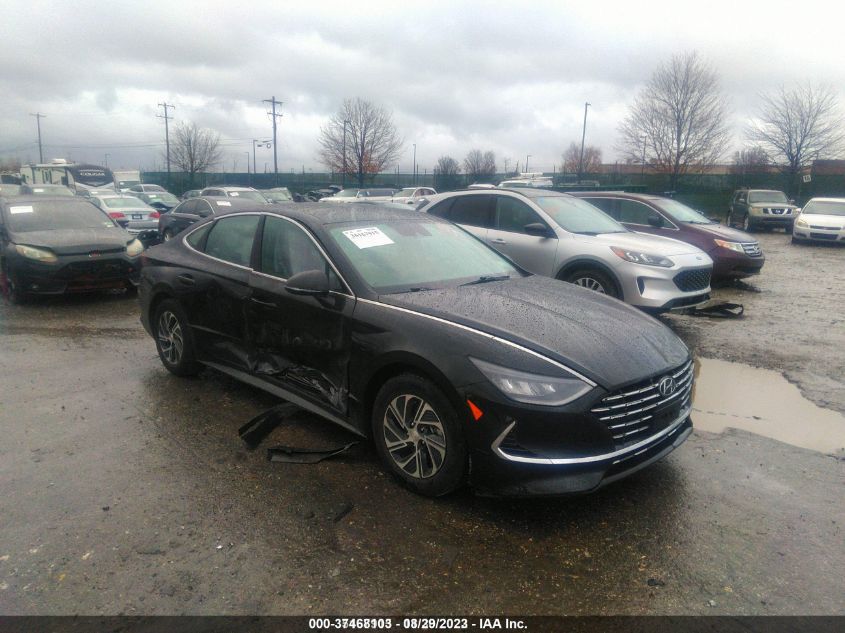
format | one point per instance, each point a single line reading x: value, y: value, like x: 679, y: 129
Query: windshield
x: 125, y: 184
x: 407, y: 192
x: 124, y: 203
x: 160, y: 197
x: 578, y: 216
x: 824, y: 207
x: 51, y: 190
x: 778, y: 197
x: 54, y: 215
x: 402, y: 255
x: 377, y: 192
x: 346, y: 193
x: 248, y: 195
x: 10, y: 190
x: 278, y: 194
x: 683, y: 213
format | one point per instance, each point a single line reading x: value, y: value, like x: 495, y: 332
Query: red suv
x: 735, y: 254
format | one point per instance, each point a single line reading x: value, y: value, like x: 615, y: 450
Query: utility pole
x: 583, y: 134
x: 106, y: 162
x: 274, y: 116
x: 166, y: 132
x: 38, y: 116
x: 415, y: 163
x: 527, y: 156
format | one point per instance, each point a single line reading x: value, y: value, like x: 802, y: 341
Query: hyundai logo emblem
x: 666, y: 386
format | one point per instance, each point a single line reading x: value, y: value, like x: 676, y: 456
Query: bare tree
x: 447, y: 166
x: 194, y: 149
x: 572, y: 159
x: 10, y: 164
x: 480, y: 165
x: 678, y: 119
x: 750, y: 159
x: 371, y: 140
x: 799, y: 125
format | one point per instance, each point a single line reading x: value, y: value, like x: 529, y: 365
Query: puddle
x: 732, y: 395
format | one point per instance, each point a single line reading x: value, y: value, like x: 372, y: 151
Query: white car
x: 821, y: 220
x: 361, y: 195
x: 412, y: 195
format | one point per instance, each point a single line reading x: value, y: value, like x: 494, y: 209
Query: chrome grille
x: 691, y: 280
x: 639, y: 411
x: 752, y: 249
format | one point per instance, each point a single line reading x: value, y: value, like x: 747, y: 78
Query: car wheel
x: 11, y: 288
x: 593, y: 279
x: 418, y: 436
x: 174, y: 341
x: 797, y: 240
x: 168, y: 235
x: 747, y: 224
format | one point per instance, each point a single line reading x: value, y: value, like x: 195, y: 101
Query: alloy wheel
x: 590, y: 284
x: 170, y: 337
x: 414, y: 436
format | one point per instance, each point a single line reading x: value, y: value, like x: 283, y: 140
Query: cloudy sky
x: 511, y: 76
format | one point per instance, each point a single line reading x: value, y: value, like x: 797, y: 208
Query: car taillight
x: 116, y: 215
x: 155, y: 215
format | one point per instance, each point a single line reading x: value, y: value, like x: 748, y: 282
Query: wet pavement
x: 124, y: 489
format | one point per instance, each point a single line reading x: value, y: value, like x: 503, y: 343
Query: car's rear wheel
x: 594, y: 279
x: 174, y: 341
x: 168, y: 235
x: 418, y: 436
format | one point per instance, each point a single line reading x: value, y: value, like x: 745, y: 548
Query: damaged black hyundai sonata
x: 403, y: 327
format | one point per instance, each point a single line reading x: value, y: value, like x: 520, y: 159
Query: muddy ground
x: 126, y: 490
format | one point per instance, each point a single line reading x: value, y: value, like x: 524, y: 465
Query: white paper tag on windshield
x: 234, y: 194
x: 20, y: 210
x: 39, y: 190
x: 367, y: 237
x: 223, y: 203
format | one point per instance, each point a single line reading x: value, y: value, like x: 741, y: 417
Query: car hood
x: 76, y: 241
x: 652, y: 244
x: 722, y: 232
x: 602, y: 338
x: 822, y: 219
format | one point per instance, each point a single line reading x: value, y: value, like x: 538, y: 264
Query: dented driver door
x: 298, y: 342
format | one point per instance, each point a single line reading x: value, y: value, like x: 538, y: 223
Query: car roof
x: 826, y: 200
x: 617, y: 194
x: 238, y: 202
x: 316, y: 214
x: 228, y: 188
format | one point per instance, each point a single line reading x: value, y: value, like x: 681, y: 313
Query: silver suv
x: 556, y: 235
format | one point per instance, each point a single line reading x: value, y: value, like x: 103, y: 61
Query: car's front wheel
x: 174, y: 341
x: 11, y: 288
x: 593, y: 279
x: 747, y: 224
x: 418, y: 435
x: 167, y: 236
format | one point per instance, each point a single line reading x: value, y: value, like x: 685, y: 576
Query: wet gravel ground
x: 126, y: 490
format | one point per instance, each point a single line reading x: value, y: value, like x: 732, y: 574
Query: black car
x: 161, y: 201
x: 192, y: 210
x: 401, y: 326
x: 62, y: 244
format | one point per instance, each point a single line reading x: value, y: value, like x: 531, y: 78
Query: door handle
x: 187, y: 280
x: 269, y: 304
x: 498, y: 240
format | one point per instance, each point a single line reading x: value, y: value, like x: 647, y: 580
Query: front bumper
x: 655, y: 288
x: 771, y: 217
x: 728, y: 264
x: 75, y: 273
x: 819, y: 233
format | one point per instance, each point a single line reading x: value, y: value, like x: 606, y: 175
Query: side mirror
x: 309, y: 283
x: 792, y: 201
x: 537, y: 228
x: 655, y: 221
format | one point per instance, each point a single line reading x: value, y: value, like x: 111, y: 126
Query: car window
x: 231, y: 239
x: 196, y: 238
x: 287, y: 250
x: 740, y: 197
x: 202, y: 208
x: 608, y: 205
x: 472, y: 210
x: 189, y: 206
x: 634, y: 212
x: 512, y: 215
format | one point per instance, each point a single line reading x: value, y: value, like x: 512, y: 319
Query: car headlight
x: 38, y: 254
x: 802, y: 223
x: 533, y: 388
x: 134, y: 248
x: 734, y: 246
x: 637, y: 257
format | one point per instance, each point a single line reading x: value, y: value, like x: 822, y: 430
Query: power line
x: 272, y: 101
x: 38, y: 116
x: 166, y: 130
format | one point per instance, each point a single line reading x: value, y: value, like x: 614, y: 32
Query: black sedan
x: 63, y: 244
x: 403, y: 327
x: 194, y: 209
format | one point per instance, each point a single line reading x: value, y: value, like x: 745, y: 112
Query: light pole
x: 527, y: 156
x: 415, y: 163
x: 106, y: 160
x: 583, y: 134
x: 343, y: 174
x: 259, y: 143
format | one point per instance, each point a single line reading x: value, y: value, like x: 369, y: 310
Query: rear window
x: 55, y: 216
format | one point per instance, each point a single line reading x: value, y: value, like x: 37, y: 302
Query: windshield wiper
x: 485, y: 278
x: 414, y: 289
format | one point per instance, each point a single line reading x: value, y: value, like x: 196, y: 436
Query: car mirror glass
x: 655, y: 221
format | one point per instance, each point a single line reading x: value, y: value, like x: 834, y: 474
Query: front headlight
x: 734, y: 246
x: 38, y: 254
x: 802, y: 223
x: 637, y: 257
x: 533, y: 388
x: 134, y: 248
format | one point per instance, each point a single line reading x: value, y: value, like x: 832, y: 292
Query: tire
x: 11, y: 289
x: 594, y: 279
x: 174, y: 340
x: 797, y: 240
x: 428, y: 451
x: 167, y: 235
x: 747, y: 224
